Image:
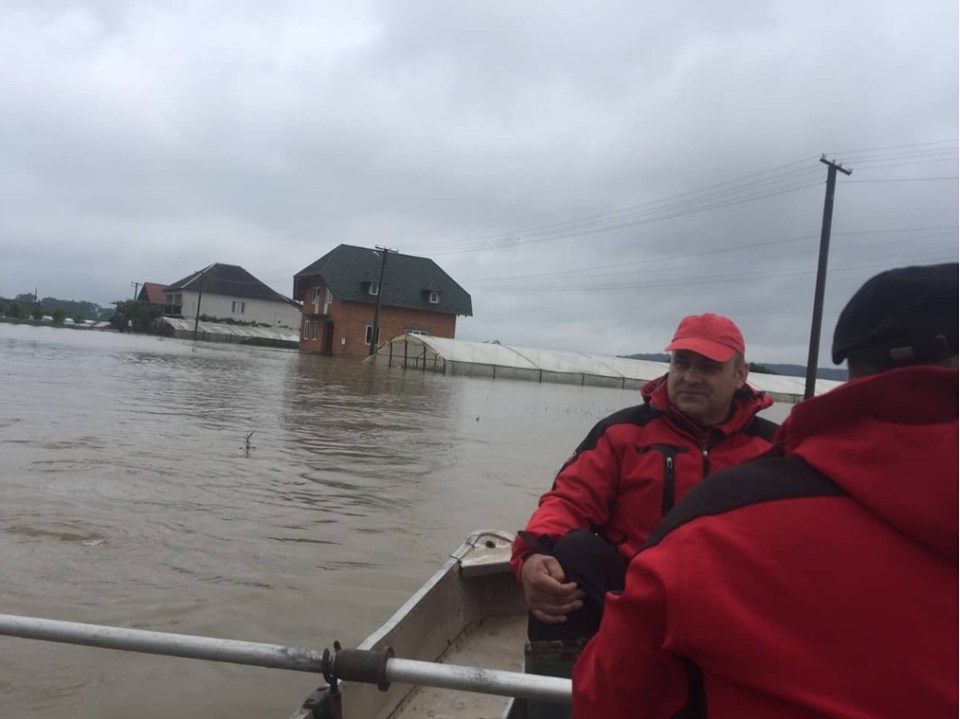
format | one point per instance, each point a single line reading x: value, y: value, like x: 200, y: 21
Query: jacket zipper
x: 705, y: 447
x: 669, y: 484
x: 669, y: 488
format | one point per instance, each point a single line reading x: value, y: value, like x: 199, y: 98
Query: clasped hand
x: 549, y: 598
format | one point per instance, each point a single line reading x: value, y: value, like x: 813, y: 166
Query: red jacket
x: 634, y: 464
x: 818, y: 584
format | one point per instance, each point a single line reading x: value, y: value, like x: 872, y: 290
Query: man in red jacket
x: 821, y: 582
x: 628, y: 473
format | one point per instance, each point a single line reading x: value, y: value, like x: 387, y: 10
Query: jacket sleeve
x: 625, y: 671
x: 581, y: 497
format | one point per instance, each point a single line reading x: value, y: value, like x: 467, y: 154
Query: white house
x: 229, y: 292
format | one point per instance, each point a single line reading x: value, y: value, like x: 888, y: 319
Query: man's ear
x: 742, y: 371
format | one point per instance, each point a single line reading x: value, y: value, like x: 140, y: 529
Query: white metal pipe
x: 481, y: 681
x: 275, y: 656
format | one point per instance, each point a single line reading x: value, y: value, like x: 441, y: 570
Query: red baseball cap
x: 714, y: 336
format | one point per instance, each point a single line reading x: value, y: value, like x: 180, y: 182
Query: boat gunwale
x: 453, y: 563
x: 469, y: 589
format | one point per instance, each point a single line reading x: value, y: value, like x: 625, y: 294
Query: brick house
x: 340, y: 290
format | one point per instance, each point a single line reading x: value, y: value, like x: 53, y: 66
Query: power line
x: 793, y: 177
x: 866, y: 159
x: 754, y: 262
x: 678, y: 214
x: 612, y: 223
x: 929, y: 257
x: 646, y: 205
x: 952, y: 160
x: 685, y: 199
x: 895, y: 147
x: 632, y: 222
x: 904, y: 179
x: 780, y: 179
x: 760, y: 273
x: 887, y: 157
x: 720, y: 250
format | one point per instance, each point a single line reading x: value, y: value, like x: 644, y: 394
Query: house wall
x: 275, y: 314
x: 350, y: 320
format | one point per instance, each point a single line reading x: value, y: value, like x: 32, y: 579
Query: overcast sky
x: 589, y: 172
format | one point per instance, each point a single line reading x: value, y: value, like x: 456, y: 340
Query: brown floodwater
x: 131, y: 496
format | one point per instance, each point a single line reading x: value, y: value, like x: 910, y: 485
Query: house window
x: 243, y: 307
x: 237, y: 306
x: 434, y: 297
x: 311, y: 329
x: 316, y: 294
x: 173, y: 304
x: 374, y: 290
x: 329, y: 297
x: 369, y: 334
x: 412, y: 331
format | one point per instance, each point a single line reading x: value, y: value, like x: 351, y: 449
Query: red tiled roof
x: 152, y: 292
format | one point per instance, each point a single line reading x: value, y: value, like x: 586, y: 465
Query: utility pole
x: 136, y: 288
x: 376, y: 312
x: 832, y: 168
x: 196, y: 321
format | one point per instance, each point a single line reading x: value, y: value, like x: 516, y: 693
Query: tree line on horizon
x: 788, y: 370
x: 27, y: 306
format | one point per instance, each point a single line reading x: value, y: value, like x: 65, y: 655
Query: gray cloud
x: 142, y: 142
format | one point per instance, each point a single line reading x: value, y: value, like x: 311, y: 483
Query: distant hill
x: 656, y: 357
x: 788, y: 370
x: 799, y: 370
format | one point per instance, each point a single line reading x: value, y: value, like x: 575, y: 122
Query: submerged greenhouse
x: 497, y: 361
x: 223, y: 332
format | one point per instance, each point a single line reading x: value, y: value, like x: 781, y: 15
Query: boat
x: 454, y: 649
x: 470, y: 613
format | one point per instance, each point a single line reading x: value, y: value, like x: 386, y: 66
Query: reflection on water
x: 132, y: 498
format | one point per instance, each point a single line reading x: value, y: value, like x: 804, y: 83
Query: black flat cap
x: 903, y: 316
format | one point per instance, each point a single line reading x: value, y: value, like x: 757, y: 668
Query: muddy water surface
x: 133, y: 493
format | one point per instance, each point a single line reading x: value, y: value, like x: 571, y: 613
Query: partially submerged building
x: 229, y: 292
x: 340, y: 292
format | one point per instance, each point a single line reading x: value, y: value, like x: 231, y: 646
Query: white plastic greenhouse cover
x: 217, y: 329
x: 502, y: 361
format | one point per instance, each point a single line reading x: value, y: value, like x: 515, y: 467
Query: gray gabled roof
x: 348, y: 271
x: 230, y: 280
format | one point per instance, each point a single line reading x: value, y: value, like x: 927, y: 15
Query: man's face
x: 703, y: 389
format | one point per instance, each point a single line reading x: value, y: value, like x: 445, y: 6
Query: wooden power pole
x: 196, y: 321
x: 832, y: 168
x: 374, y: 335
